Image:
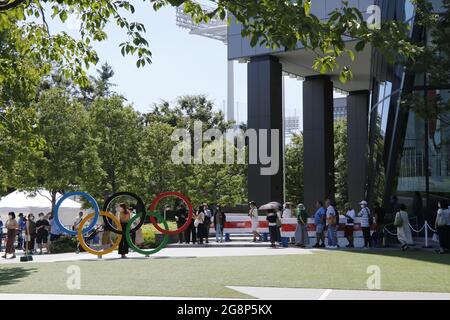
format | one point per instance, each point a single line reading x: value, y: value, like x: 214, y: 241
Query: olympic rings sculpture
x: 112, y: 223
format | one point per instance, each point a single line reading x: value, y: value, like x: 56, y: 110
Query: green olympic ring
x: 163, y: 243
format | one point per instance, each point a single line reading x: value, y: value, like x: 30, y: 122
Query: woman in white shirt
x: 441, y: 224
x: 254, y: 217
x: 404, y: 235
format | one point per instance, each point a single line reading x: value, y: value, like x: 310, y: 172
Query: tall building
x: 291, y: 126
x: 340, y: 108
x: 388, y: 148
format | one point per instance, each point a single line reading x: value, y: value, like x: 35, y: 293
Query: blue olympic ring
x: 87, y: 197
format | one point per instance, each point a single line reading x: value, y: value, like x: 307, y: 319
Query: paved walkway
x: 20, y: 296
x: 263, y: 293
x: 331, y: 294
x: 167, y: 253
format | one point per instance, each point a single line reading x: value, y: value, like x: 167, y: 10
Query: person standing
x: 272, y: 219
x: 219, y: 221
x: 12, y: 228
x: 124, y: 217
x: 366, y: 218
x: 379, y: 214
x: 42, y: 228
x: 180, y: 218
x: 301, y: 232
x: 349, y: 224
x: 20, y: 236
x: 55, y: 231
x: 75, y: 226
x: 287, y: 211
x: 191, y: 232
x: 401, y: 221
x: 331, y: 224
x: 319, y: 221
x: 1, y: 235
x: 200, y: 224
x: 441, y: 224
x: 208, y: 220
x: 254, y: 217
x: 30, y: 233
x: 77, y: 221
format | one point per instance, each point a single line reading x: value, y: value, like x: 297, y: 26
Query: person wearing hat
x: 287, y: 211
x: 366, y: 217
x: 319, y: 221
x: 349, y: 224
x: 254, y: 217
x: 301, y: 232
x: 272, y: 220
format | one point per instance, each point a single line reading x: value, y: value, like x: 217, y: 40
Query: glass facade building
x: 408, y: 155
x: 392, y: 151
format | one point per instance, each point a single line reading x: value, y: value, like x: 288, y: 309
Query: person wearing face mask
x: 366, y: 221
x: 1, y: 235
x: 12, y: 228
x: 349, y: 224
x: 42, y: 226
x: 125, y: 216
x: 254, y: 217
x: 30, y: 233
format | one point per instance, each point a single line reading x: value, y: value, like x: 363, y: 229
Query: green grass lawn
x: 207, y: 277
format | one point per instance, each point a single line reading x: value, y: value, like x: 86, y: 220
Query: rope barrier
x: 388, y: 232
x: 429, y: 227
x: 420, y: 230
x: 426, y: 226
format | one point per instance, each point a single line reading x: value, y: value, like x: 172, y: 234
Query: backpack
x: 398, y: 222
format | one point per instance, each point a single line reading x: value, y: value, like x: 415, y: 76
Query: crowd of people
x: 326, y: 221
x: 32, y: 236
x: 28, y: 234
x: 199, y: 228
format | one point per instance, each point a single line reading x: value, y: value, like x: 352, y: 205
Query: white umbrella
x: 271, y: 206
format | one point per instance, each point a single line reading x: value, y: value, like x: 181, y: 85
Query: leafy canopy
x: 273, y: 23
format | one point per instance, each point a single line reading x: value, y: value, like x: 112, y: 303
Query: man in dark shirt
x: 42, y: 227
x: 181, y: 217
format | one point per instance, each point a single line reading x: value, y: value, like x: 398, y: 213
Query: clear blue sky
x: 182, y: 64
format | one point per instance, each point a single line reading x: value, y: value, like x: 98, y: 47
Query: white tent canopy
x: 36, y: 202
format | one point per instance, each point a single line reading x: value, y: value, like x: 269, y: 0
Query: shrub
x: 64, y: 245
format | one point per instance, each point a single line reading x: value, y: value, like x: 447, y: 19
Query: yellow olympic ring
x: 83, y: 244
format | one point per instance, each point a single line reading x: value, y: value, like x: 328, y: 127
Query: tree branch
x: 8, y: 4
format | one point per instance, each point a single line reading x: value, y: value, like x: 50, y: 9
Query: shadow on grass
x: 13, y: 275
x: 414, y: 253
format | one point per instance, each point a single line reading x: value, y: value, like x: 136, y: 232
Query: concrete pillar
x: 265, y: 112
x: 318, y: 140
x: 230, y: 91
x: 357, y: 141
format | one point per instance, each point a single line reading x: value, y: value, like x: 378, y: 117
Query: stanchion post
x: 426, y: 235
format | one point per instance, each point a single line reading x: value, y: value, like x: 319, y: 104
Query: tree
x: 433, y: 66
x: 68, y: 157
x: 117, y: 128
x: 186, y: 111
x: 294, y: 169
x: 19, y: 83
x: 340, y: 162
x: 294, y: 166
x: 218, y: 183
x: 156, y: 173
x: 271, y: 23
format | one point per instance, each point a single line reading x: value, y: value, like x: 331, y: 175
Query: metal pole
x: 230, y: 91
x: 283, y: 132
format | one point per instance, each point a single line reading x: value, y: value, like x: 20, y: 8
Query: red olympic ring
x: 155, y: 202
